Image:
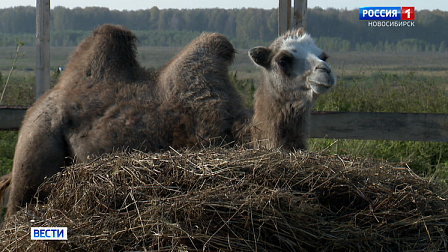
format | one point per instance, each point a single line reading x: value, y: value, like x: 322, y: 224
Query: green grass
x: 428, y: 159
x: 246, y: 87
x: 385, y: 92
x: 8, y: 140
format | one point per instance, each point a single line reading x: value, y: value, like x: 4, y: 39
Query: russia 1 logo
x: 407, y: 13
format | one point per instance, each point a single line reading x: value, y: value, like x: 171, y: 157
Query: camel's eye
x: 285, y: 64
x: 284, y: 61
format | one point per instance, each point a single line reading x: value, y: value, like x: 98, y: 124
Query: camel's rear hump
x: 108, y: 55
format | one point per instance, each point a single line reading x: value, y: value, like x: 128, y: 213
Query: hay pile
x: 236, y: 199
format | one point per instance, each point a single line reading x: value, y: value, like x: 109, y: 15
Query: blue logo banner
x: 380, y: 13
x: 48, y: 233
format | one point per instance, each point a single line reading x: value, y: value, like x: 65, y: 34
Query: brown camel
x: 294, y: 74
x: 106, y: 101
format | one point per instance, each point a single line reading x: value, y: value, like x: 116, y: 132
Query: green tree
x: 154, y: 17
x: 442, y: 47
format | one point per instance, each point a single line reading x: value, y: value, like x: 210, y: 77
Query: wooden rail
x: 334, y: 125
x: 11, y: 117
x: 380, y: 126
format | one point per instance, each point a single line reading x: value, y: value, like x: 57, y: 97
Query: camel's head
x: 296, y: 63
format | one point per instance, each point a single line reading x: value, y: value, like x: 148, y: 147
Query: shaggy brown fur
x: 105, y: 100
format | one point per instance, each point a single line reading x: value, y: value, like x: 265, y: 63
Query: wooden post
x: 300, y: 17
x: 284, y: 16
x: 42, y: 47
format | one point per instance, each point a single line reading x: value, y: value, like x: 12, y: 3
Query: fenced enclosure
x: 337, y: 125
x: 244, y: 199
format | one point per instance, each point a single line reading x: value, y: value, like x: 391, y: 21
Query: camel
x: 294, y: 75
x: 105, y: 101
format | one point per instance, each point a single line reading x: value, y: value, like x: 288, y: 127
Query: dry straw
x: 220, y: 199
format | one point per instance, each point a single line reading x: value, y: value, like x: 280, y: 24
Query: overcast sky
x: 229, y: 4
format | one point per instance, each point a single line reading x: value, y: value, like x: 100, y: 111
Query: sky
x: 229, y: 4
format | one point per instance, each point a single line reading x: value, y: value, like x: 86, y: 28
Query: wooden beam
x: 339, y: 125
x: 11, y: 117
x: 300, y: 14
x: 42, y: 47
x: 284, y: 16
x: 380, y: 126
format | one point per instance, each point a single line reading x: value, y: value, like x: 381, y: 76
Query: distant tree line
x: 334, y: 30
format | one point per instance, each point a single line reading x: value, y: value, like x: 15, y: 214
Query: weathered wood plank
x: 42, y: 47
x: 339, y: 125
x: 11, y: 117
x: 284, y: 16
x: 300, y: 13
x: 380, y: 126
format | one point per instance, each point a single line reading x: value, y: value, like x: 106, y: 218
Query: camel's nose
x: 322, y: 66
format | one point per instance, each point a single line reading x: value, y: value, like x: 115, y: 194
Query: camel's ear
x: 260, y: 56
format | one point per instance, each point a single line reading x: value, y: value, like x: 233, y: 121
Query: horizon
x: 229, y: 4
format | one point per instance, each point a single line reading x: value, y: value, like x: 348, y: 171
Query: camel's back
x: 111, y: 102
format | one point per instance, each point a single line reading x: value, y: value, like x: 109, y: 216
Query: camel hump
x: 115, y: 39
x: 5, y: 181
x: 216, y: 44
x: 109, y: 53
x: 117, y: 31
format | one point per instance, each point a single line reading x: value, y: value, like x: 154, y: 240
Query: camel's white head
x: 295, y: 63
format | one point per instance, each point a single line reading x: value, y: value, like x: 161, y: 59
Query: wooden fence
x: 337, y: 125
x: 284, y: 14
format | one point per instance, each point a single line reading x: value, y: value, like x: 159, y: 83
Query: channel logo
x: 386, y: 13
x: 49, y: 233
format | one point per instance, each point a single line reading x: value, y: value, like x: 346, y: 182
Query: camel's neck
x: 280, y: 121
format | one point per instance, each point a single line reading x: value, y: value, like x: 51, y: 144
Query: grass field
x: 352, y: 63
x: 369, y: 82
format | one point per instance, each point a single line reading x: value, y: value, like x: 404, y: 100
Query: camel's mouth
x: 322, y: 83
x: 326, y: 84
